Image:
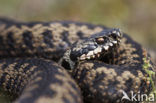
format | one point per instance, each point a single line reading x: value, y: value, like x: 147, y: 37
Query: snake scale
x: 69, y: 62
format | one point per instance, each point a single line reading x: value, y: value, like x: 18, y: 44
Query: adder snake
x: 69, y: 62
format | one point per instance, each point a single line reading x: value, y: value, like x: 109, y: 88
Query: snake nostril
x: 114, y: 36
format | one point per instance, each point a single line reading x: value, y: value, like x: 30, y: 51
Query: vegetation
x: 150, y: 73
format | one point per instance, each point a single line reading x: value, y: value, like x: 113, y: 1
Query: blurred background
x: 136, y: 18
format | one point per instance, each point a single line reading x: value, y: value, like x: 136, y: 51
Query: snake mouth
x: 99, y: 51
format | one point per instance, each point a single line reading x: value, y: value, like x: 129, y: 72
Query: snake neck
x: 66, y: 61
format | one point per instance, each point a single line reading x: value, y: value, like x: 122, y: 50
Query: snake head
x: 99, y: 43
x: 92, y: 47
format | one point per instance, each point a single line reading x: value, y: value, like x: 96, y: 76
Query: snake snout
x: 116, y: 34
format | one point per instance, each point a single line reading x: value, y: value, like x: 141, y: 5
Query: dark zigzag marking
x: 48, y: 38
x: 27, y: 38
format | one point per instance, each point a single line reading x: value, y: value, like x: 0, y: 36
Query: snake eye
x: 100, y: 40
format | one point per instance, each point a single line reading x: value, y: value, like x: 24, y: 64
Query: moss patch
x: 151, y: 74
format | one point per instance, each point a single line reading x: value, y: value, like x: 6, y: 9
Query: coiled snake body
x: 50, y: 62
